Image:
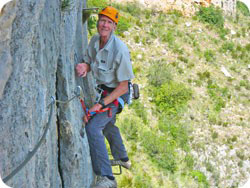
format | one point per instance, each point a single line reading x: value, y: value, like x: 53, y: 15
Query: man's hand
x: 82, y: 69
x: 96, y: 107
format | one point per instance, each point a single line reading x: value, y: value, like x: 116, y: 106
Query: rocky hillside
x: 190, y: 127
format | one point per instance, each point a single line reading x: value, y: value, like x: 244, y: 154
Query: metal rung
x: 120, y: 169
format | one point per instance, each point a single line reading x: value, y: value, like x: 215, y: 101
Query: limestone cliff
x: 40, y: 43
x: 187, y: 7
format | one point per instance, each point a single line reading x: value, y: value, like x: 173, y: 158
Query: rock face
x: 229, y: 6
x: 187, y: 6
x: 40, y: 43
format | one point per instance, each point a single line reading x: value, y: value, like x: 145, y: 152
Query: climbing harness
x: 88, y: 114
x: 78, y: 93
x: 101, y: 93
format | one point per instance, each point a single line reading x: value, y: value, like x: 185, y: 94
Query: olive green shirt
x: 111, y: 64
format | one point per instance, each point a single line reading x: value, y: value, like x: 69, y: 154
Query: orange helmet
x: 110, y: 12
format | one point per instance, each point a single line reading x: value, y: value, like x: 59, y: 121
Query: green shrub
x: 129, y: 126
x: 242, y: 8
x: 126, y: 181
x: 148, y: 14
x: 137, y: 39
x: 245, y: 83
x: 171, y: 97
x: 204, y: 75
x: 153, y: 32
x: 161, y: 150
x: 142, y: 180
x: 189, y: 161
x: 223, y: 32
x: 247, y: 47
x: 133, y: 8
x: 218, y: 95
x: 200, y: 177
x: 159, y: 73
x: 183, y: 59
x: 140, y: 110
x: 169, y: 37
x: 91, y: 24
x: 65, y: 4
x: 175, y: 13
x: 227, y: 46
x: 209, y: 55
x: 97, y: 3
x: 174, y: 131
x: 214, y: 135
x: 123, y: 25
x: 177, y: 49
x: 211, y: 15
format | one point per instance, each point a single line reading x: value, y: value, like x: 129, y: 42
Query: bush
x: 133, y: 8
x: 161, y: 149
x: 200, y: 177
x: 65, y: 5
x: 123, y: 25
x: 211, y: 15
x: 171, y: 97
x: 209, y: 55
x: 247, y: 47
x: 204, y: 75
x: 97, y: 3
x: 159, y: 73
x: 223, y: 32
x: 168, y: 37
x: 218, y: 94
x: 175, y: 13
x: 140, y: 111
x: 142, y: 180
x: 130, y: 126
x: 242, y: 8
x: 91, y: 24
x: 227, y: 46
x: 174, y: 131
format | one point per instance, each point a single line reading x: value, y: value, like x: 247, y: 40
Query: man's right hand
x: 82, y: 69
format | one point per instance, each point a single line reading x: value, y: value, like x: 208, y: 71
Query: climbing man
x: 109, y: 60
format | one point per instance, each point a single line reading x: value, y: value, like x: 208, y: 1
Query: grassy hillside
x: 190, y: 127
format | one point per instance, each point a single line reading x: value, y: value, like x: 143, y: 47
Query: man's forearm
x: 121, y: 89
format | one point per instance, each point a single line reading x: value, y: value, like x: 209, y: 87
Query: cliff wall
x: 40, y: 43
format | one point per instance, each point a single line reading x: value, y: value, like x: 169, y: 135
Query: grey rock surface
x: 39, y: 46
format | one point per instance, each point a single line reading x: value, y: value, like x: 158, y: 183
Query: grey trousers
x: 101, y: 125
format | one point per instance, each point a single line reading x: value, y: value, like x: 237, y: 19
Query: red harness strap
x: 88, y: 114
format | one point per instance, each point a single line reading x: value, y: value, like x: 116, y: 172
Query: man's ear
x: 115, y: 26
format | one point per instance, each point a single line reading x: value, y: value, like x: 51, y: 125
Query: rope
x: 32, y: 153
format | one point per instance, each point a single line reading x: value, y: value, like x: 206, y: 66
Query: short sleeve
x: 124, y: 70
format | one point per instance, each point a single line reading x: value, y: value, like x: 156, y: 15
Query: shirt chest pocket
x: 106, y: 69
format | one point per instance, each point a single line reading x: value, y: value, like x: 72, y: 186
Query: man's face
x: 105, y: 26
